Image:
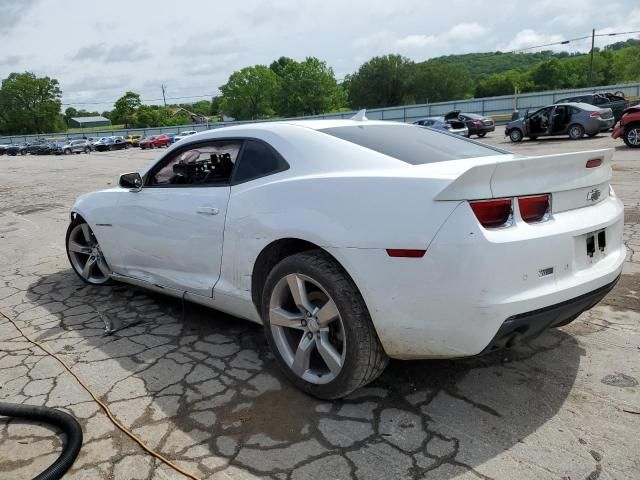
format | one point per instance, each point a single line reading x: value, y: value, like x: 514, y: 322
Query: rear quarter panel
x: 343, y: 212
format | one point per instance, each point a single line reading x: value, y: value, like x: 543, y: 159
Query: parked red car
x: 629, y: 127
x: 155, y: 141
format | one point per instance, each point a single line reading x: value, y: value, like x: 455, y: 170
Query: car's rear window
x: 412, y: 143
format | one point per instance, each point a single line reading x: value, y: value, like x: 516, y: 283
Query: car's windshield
x: 411, y: 143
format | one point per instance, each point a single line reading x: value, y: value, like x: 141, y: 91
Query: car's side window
x: 257, y: 160
x: 209, y: 163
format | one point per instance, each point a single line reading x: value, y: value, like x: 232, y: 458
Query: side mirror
x: 131, y: 181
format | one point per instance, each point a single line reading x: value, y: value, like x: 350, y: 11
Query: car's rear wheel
x: 85, y: 255
x: 481, y: 134
x: 126, y: 146
x: 318, y: 326
x: 515, y: 135
x: 110, y: 148
x: 632, y: 136
x: 576, y: 132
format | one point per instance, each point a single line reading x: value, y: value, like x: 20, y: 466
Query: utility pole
x: 164, y: 99
x: 593, y: 38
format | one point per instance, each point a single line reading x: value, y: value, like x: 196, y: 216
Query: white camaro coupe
x: 353, y: 241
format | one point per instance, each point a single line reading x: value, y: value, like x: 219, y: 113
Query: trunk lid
x: 564, y: 175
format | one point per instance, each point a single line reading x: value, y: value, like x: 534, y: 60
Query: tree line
x: 288, y: 88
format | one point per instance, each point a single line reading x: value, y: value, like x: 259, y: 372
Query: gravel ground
x: 205, y: 391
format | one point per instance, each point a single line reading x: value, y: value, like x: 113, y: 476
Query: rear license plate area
x: 596, y: 244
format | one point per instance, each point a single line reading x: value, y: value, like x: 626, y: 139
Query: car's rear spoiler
x: 517, y: 176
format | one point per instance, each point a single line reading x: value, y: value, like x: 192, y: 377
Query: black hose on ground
x: 51, y: 416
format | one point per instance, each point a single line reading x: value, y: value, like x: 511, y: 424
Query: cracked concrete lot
x: 205, y: 391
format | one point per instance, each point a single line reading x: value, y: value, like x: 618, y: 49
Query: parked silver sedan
x: 454, y: 126
x: 572, y: 119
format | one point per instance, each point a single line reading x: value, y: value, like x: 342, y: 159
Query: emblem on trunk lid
x: 593, y: 195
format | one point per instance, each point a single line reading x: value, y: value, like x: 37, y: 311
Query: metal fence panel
x: 408, y: 113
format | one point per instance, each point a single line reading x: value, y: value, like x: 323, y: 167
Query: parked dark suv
x: 617, y: 103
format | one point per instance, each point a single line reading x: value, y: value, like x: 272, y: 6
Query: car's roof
x: 580, y: 105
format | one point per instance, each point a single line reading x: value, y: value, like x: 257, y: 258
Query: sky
x: 100, y: 50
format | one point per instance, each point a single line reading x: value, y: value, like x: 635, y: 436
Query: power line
x: 144, y: 99
x: 564, y: 42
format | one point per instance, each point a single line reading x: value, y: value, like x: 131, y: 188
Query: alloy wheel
x: 307, y: 329
x: 86, y: 257
x: 633, y: 136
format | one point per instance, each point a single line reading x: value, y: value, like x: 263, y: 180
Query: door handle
x: 208, y: 210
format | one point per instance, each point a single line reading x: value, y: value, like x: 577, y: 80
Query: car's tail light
x: 593, y: 163
x: 406, y: 253
x: 533, y: 209
x: 492, y: 213
x: 595, y: 114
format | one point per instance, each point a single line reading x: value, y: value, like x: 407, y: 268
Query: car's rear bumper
x: 524, y: 327
x: 454, y: 300
x: 606, y: 123
x: 485, y: 129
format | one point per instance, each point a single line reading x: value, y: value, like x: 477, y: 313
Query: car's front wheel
x: 481, y: 134
x: 632, y: 136
x: 85, y: 255
x: 515, y: 135
x: 318, y: 326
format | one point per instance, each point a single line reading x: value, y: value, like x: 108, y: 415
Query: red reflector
x: 594, y: 162
x: 399, y: 252
x: 492, y: 213
x: 533, y: 209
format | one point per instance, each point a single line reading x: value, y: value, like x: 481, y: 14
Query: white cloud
x: 97, y: 55
x: 529, y: 38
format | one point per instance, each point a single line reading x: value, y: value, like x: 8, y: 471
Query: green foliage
x: 277, y: 66
x: 382, y: 81
x: 626, y: 65
x: 250, y: 93
x: 215, y: 107
x: 125, y: 108
x: 30, y: 104
x: 437, y: 82
x: 307, y: 88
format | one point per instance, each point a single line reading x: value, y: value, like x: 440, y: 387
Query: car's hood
x: 515, y: 123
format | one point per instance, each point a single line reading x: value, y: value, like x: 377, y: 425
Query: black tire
x: 78, y: 220
x: 87, y: 150
x: 631, y: 135
x: 364, y: 357
x: 515, y: 135
x: 67, y: 151
x: 23, y: 152
x: 482, y: 134
x: 576, y: 131
x: 126, y: 146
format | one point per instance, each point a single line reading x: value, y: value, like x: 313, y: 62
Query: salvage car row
x: 87, y: 145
